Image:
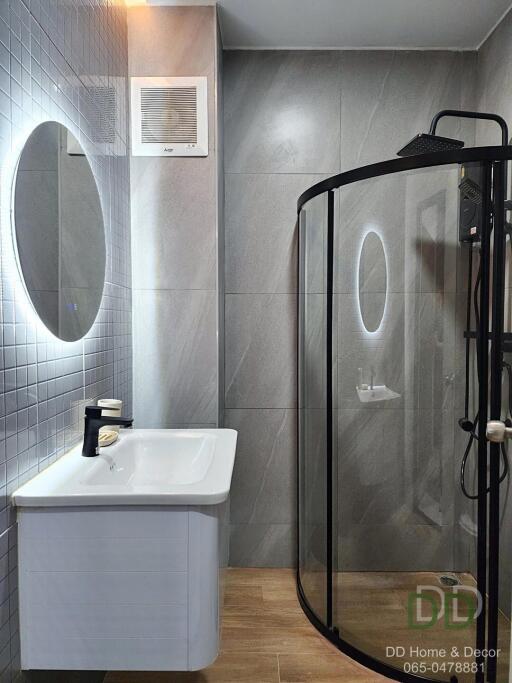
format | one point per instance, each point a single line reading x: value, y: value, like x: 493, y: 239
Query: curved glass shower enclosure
x: 405, y: 354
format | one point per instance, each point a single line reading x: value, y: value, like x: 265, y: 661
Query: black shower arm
x: 472, y: 115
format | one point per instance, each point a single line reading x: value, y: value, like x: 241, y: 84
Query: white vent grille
x: 169, y: 117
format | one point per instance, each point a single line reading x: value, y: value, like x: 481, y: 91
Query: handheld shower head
x: 470, y: 190
x: 426, y: 142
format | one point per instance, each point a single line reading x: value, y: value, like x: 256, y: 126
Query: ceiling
x: 352, y: 24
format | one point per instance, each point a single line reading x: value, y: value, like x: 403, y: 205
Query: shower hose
x: 466, y: 424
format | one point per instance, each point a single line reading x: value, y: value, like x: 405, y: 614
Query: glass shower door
x: 314, y: 428
x: 405, y: 576
x: 405, y: 354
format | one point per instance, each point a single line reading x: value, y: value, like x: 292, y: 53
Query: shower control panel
x: 470, y: 203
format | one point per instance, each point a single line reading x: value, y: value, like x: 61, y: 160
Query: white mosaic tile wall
x: 64, y: 60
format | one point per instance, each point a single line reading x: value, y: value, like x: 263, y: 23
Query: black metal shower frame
x: 493, y: 159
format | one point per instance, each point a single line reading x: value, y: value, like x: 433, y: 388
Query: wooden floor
x: 371, y: 610
x: 265, y: 639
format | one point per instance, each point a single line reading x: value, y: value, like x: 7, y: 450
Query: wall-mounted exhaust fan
x: 169, y: 116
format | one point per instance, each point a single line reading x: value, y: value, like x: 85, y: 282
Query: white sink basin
x: 144, y: 467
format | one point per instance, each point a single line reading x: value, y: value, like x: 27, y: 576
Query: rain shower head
x: 430, y: 142
x: 426, y: 142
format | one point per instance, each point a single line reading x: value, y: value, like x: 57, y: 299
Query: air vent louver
x: 169, y: 117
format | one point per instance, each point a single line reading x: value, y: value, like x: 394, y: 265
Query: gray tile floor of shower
x: 370, y: 609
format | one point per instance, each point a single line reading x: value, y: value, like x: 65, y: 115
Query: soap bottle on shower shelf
x: 362, y: 386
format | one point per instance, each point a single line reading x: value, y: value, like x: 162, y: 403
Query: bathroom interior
x: 253, y: 426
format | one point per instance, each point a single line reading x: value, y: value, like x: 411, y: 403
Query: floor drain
x: 449, y: 580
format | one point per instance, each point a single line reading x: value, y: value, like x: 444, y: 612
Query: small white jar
x: 114, y: 408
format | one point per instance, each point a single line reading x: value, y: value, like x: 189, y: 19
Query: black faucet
x: 93, y: 421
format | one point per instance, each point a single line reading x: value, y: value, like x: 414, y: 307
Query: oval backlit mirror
x: 372, y: 281
x: 59, y: 234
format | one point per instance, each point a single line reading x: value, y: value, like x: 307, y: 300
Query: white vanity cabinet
x: 113, y: 582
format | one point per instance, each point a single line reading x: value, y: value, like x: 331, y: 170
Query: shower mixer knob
x: 497, y: 431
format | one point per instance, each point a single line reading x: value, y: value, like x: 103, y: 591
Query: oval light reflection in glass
x: 372, y: 281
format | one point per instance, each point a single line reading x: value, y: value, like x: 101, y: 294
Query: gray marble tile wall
x: 219, y: 68
x: 292, y: 118
x: 61, y: 61
x: 175, y: 234
x: 493, y: 81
